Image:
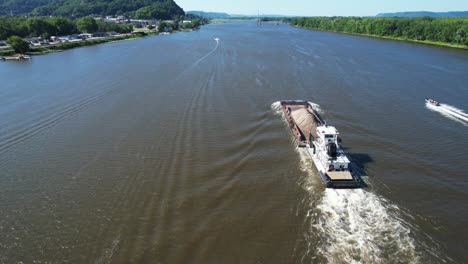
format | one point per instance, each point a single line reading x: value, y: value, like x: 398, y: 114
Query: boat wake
x: 359, y: 226
x: 195, y: 64
x: 450, y: 112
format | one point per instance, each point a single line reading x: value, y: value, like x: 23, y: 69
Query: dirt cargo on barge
x: 322, y: 143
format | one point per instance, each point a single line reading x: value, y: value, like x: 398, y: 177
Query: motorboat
x: 432, y: 102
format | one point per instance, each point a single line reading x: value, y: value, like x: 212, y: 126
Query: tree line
x: 56, y: 26
x: 447, y: 30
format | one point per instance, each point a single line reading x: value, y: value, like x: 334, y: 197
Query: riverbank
x: 9, y: 54
x: 83, y: 43
x: 449, y: 32
x: 427, y: 42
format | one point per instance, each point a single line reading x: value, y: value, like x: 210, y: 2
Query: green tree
x: 159, y: 10
x: 63, y: 26
x: 18, y: 44
x: 87, y: 24
x: 443, y: 29
x: 162, y: 26
x: 196, y: 23
x: 186, y: 25
x: 39, y: 26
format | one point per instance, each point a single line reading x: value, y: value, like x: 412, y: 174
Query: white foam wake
x: 276, y: 106
x: 450, y: 112
x: 357, y: 226
x: 454, y: 109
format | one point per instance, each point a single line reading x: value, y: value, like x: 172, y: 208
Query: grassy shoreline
x: 427, y: 42
x: 84, y: 43
x: 9, y: 54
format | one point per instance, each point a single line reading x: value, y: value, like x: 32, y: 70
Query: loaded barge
x: 322, y: 143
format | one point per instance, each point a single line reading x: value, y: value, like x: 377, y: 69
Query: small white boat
x: 432, y: 102
x: 216, y: 39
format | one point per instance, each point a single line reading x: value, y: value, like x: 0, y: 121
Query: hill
x: 20, y: 7
x: 160, y: 9
x: 425, y: 13
x: 219, y: 15
x: 210, y: 15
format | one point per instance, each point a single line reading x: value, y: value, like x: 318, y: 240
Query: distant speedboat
x: 432, y: 102
x: 216, y: 39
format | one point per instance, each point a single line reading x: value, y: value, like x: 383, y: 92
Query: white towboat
x: 322, y: 143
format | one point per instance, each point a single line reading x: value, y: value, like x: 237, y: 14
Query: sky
x: 321, y: 7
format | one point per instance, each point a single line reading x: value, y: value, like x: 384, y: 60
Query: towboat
x: 432, y: 102
x: 322, y: 142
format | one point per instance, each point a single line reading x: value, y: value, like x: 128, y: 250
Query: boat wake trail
x: 450, y: 112
x: 359, y: 226
x: 206, y: 56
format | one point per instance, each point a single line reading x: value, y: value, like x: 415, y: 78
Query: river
x: 171, y: 149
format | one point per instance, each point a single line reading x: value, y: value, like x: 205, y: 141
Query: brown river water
x: 171, y: 149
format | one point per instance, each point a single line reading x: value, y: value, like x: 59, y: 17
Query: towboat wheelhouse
x: 327, y: 148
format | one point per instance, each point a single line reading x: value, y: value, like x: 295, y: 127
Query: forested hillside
x: 159, y: 9
x: 445, y: 30
x: 19, y: 7
x: 56, y: 26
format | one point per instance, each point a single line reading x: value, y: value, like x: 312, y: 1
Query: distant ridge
x: 220, y: 15
x: 209, y: 15
x: 425, y: 13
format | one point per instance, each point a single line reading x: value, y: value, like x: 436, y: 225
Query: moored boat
x: 322, y: 143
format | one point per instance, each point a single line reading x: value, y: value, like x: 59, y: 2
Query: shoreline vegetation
x: 84, y: 43
x: 33, y: 36
x: 445, y: 32
x: 9, y: 54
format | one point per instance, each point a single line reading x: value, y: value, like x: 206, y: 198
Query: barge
x: 322, y: 142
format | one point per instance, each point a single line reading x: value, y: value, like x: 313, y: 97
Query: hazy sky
x: 323, y: 7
